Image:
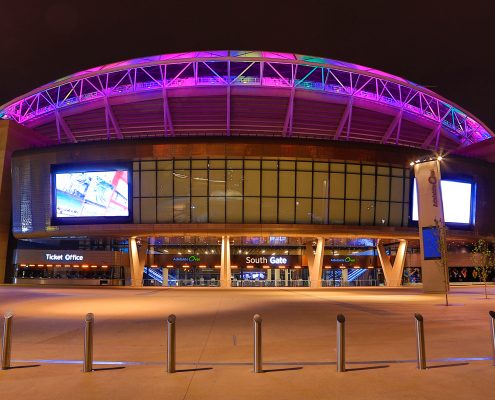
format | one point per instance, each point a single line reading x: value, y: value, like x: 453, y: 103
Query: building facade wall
x: 243, y: 185
x: 250, y: 182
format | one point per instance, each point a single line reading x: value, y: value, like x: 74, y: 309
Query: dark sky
x: 448, y: 46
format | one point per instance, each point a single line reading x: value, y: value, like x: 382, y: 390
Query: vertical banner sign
x: 430, y: 208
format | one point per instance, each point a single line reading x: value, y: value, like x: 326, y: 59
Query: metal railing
x: 271, y: 283
x: 183, y: 282
x: 343, y: 283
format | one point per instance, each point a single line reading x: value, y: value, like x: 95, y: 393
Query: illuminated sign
x: 265, y: 260
x: 343, y: 259
x: 66, y: 257
x: 186, y: 259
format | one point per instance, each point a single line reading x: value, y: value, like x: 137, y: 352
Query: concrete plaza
x: 215, y: 344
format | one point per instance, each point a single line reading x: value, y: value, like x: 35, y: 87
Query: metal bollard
x: 340, y: 343
x: 88, y: 343
x: 492, y: 323
x: 420, y: 341
x: 258, y: 360
x: 171, y: 343
x: 7, y: 340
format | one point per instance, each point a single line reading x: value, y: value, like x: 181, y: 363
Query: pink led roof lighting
x: 349, y: 84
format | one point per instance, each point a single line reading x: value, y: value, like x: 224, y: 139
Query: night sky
x: 447, y: 46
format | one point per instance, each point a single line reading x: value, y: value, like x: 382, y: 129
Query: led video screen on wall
x: 458, y: 204
x: 90, y: 194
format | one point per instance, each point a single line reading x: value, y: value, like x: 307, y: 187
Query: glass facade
x: 272, y: 191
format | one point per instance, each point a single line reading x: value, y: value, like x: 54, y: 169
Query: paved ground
x: 214, y: 344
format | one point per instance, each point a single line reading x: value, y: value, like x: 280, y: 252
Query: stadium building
x: 241, y: 168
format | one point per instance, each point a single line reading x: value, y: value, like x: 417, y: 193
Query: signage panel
x: 348, y: 261
x: 31, y: 256
x: 430, y: 212
x: 259, y: 261
x: 179, y: 260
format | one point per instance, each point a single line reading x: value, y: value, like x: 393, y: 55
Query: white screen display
x: 92, y: 194
x: 456, y: 198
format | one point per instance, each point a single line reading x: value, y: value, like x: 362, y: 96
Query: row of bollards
x: 257, y: 334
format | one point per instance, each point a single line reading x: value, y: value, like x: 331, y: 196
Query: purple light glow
x: 244, y: 68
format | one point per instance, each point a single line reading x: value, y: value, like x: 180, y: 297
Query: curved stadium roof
x: 244, y: 93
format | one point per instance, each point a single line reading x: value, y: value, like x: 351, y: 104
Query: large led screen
x: 91, y: 194
x: 457, y: 200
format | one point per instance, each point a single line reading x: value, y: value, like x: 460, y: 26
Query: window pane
x: 135, y: 184
x: 337, y: 185
x: 405, y: 217
x: 251, y: 183
x: 182, y: 209
x: 382, y: 188
x: 165, y: 183
x: 148, y: 165
x: 168, y: 164
x: 320, y: 211
x: 318, y: 166
x: 396, y: 214
x: 381, y: 216
x: 269, y: 183
x: 148, y: 211
x: 199, y: 209
x: 356, y: 168
x: 383, y: 170
x: 217, y: 210
x: 303, y: 184
x: 181, y: 182
x: 286, y: 183
x: 336, y: 167
x: 234, y: 182
x: 397, y: 171
x: 286, y: 210
x: 287, y: 165
x: 165, y: 210
x: 269, y: 210
x: 136, y: 210
x: 199, y: 183
x: 352, y: 186
x: 182, y: 164
x: 367, y: 212
x: 396, y: 190
x: 303, y: 211
x: 234, y: 210
x: 199, y: 164
x: 251, y: 210
x: 304, y: 166
x: 352, y: 212
x: 336, y: 211
x: 217, y: 183
x: 368, y: 169
x: 269, y: 164
x: 217, y: 164
x: 148, y: 183
x: 407, y: 187
x: 252, y: 164
x: 368, y: 187
x: 320, y: 184
x: 234, y: 164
